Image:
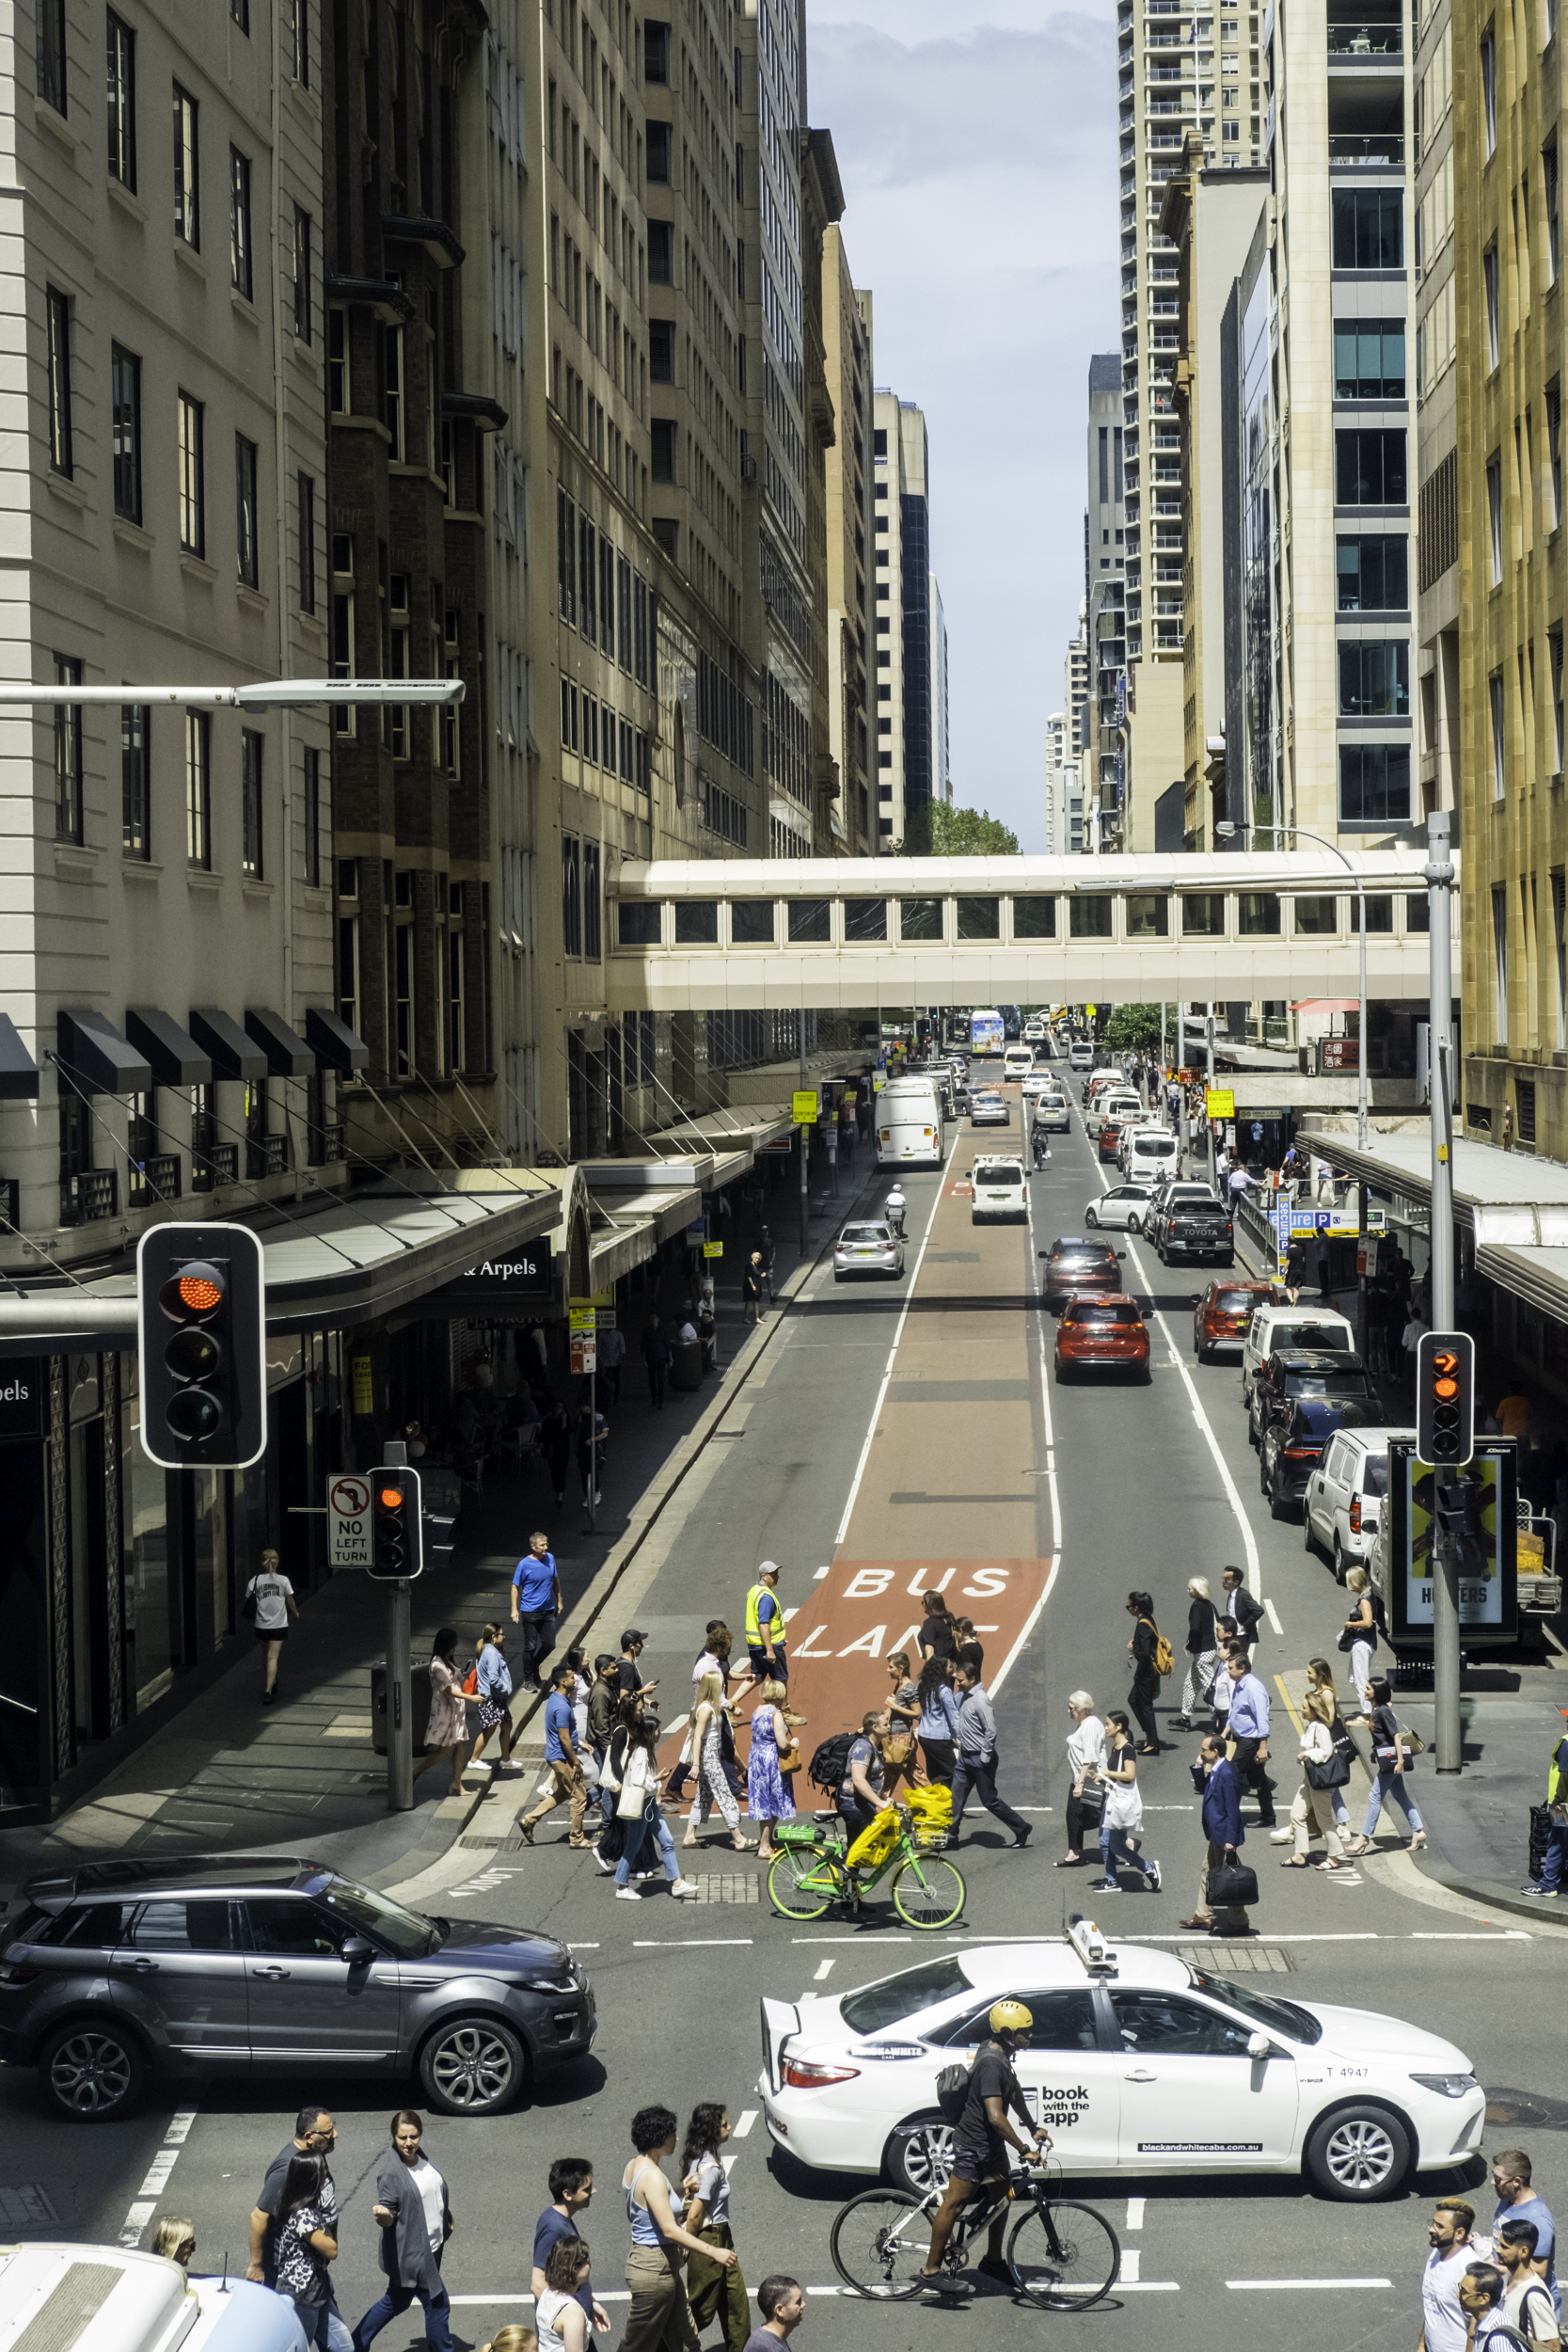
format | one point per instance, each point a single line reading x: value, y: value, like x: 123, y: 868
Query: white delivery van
x: 113, y: 2298
x: 1018, y: 1062
x: 1277, y: 1323
x: 1345, y: 1495
x: 1152, y: 1152
x: 1080, y: 1054
x: 1110, y: 1106
x: 1000, y: 1197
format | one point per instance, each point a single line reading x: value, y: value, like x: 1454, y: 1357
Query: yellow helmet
x: 1010, y: 2017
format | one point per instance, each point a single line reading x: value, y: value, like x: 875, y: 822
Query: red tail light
x: 1355, y: 1515
x: 1299, y: 1452
x: 801, y: 2074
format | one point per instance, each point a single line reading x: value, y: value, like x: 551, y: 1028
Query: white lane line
x: 1294, y: 2286
x: 823, y: 1966
x: 822, y: 1572
x: 686, y: 1943
x: 1273, y: 1616
x: 582, y: 1947
x: 743, y: 2122
x: 887, y: 1374
x: 1127, y: 2276
x: 176, y: 2131
x: 1147, y: 2286
x: 1136, y: 2213
x: 877, y: 1936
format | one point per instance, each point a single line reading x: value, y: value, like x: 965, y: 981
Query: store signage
x: 23, y: 1387
x: 522, y: 1273
x: 364, y: 1387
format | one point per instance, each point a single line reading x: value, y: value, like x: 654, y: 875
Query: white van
x: 1152, y: 1152
x: 1111, y: 1104
x: 114, y: 2298
x: 1018, y: 1062
x: 1277, y: 1323
x: 1000, y: 1197
x: 1080, y: 1054
x: 1345, y: 1495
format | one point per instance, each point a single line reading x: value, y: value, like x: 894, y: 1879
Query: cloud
x: 980, y: 183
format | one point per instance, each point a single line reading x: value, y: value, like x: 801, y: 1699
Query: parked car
x: 1276, y: 1324
x: 1074, y: 1263
x: 116, y: 1971
x: 1195, y: 1228
x: 1123, y: 1208
x: 1221, y: 1316
x: 1292, y: 1372
x: 1294, y: 1440
x: 1345, y: 1495
x: 867, y: 1249
x: 1107, y: 1334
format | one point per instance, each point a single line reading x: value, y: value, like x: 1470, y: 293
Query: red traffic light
x: 391, y: 1499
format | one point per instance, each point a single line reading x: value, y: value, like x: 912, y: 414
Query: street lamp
x: 1226, y: 831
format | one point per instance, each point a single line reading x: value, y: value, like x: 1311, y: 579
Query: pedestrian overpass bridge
x: 750, y: 935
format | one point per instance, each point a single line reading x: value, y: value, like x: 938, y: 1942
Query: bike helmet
x: 1009, y: 2017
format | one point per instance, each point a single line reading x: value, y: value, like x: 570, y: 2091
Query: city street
x: 893, y: 1434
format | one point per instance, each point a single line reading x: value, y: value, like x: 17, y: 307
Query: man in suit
x: 1219, y: 1784
x: 1239, y: 1606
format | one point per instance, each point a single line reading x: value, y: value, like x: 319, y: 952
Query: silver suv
x: 213, y: 1963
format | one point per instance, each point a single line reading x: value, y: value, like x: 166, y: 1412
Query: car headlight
x: 1448, y: 2086
x: 562, y: 1980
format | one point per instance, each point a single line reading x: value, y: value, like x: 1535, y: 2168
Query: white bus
x: 908, y: 1122
x: 987, y: 1031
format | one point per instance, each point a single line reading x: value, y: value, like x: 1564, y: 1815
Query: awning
x: 478, y: 407
x: 173, y: 1054
x: 333, y: 1042
x: 287, y: 1054
x: 1327, y: 1003
x: 234, y: 1055
x: 439, y: 241
x: 99, y: 1057
x: 19, y: 1071
x: 391, y: 304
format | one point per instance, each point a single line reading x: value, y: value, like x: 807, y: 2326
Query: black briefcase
x: 1232, y: 1886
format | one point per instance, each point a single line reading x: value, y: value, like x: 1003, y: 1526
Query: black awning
x: 439, y: 241
x: 487, y: 414
x: 391, y: 306
x: 333, y: 1042
x: 288, y: 1056
x: 174, y: 1055
x: 100, y: 1060
x: 19, y: 1071
x: 234, y: 1055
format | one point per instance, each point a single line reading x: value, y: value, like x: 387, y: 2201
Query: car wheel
x: 1089, y: 1217
x: 474, y: 2066
x: 918, y: 2156
x: 1308, y: 1533
x: 1200, y: 1353
x: 1341, y: 1563
x: 92, y: 2072
x: 1279, y: 1508
x: 1360, y: 2155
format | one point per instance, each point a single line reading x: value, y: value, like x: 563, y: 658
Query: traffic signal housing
x: 1445, y: 1398
x: 202, y: 1347
x: 397, y: 1541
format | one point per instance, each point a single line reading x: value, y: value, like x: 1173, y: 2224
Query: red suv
x: 1108, y: 1332
x: 1221, y: 1316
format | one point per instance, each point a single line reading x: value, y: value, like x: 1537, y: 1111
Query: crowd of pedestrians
x: 1497, y: 2287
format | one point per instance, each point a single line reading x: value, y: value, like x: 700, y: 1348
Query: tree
x: 939, y: 831
x: 1135, y: 1030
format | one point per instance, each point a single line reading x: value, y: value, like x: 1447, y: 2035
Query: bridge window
x: 1091, y: 917
x: 1034, y: 918
x: 809, y: 923
x: 752, y: 923
x: 1259, y: 915
x: 1380, y: 915
x: 1147, y: 914
x: 979, y: 918
x: 920, y: 918
x: 697, y: 923
x: 638, y: 923
x: 1317, y: 918
x: 865, y: 919
x: 1203, y: 914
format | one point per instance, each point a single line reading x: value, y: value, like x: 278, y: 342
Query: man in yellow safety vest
x: 765, y: 1626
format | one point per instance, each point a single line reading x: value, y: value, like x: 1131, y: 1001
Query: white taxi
x: 1138, y: 2063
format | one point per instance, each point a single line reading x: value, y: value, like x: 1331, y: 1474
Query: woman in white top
x: 274, y: 1598
x: 1312, y: 1814
x: 1124, y: 1810
x: 1086, y: 1754
x: 558, y: 2315
x: 712, y: 2291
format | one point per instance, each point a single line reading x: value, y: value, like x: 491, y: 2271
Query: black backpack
x: 829, y: 1765
x: 953, y: 2092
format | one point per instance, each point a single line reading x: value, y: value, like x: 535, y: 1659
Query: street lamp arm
x: 267, y: 694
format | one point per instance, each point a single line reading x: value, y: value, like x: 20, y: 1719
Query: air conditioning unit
x: 748, y: 470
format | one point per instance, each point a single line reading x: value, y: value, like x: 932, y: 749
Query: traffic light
x: 397, y: 1547
x: 202, y: 1347
x: 1445, y: 1398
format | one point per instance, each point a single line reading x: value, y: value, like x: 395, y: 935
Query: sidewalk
x: 227, y: 1775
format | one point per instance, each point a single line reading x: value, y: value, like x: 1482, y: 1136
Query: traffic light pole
x: 400, y: 1676
x: 1445, y: 1581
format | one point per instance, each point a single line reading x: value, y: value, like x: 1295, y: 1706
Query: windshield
x: 1236, y: 1302
x: 1324, y: 1335
x: 1260, y: 2009
x: 865, y: 1232
x: 898, y: 1998
x: 1000, y: 1174
x: 407, y: 1931
x: 1102, y: 1314
x: 1325, y: 1384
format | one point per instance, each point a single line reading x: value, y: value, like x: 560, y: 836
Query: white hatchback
x: 1138, y: 2063
x: 1123, y: 1208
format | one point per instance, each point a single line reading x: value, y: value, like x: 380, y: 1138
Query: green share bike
x: 811, y: 1872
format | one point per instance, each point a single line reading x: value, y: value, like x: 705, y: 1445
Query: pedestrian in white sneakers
x: 637, y: 1807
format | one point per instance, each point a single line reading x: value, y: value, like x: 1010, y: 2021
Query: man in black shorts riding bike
x: 983, y: 2135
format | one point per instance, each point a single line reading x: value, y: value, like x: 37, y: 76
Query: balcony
x: 327, y: 1145
x: 87, y: 1198
x: 1384, y: 41
x: 266, y: 1155
x: 215, y: 1165
x: 154, y: 1179
x: 1370, y: 151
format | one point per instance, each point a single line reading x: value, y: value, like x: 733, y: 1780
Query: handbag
x: 789, y: 1758
x: 636, y: 1783
x: 1092, y: 1803
x: 470, y: 1681
x: 896, y: 1748
x: 1232, y: 1886
x: 1331, y: 1773
x: 248, y: 1606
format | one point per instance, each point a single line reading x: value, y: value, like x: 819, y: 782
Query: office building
x: 1104, y: 586
x: 1056, y: 813
x: 847, y: 337
x: 904, y: 639
x: 821, y: 205
x: 942, y: 747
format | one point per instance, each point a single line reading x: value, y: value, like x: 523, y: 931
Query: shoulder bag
x: 788, y: 1747
x: 636, y: 1785
x: 1232, y: 1884
x: 1092, y: 1803
x: 248, y: 1606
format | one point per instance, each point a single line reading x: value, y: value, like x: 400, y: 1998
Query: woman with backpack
x: 1392, y: 1756
x: 269, y: 1603
x: 1152, y: 1657
x: 938, y: 1724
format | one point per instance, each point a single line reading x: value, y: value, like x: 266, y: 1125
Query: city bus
x: 986, y: 1032
x: 908, y: 1122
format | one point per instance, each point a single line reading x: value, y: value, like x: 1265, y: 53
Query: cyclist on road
x: 983, y: 2135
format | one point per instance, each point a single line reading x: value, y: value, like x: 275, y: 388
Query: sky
x: 979, y: 174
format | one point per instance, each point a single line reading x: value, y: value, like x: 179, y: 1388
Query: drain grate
x: 1511, y: 2107
x: 729, y: 1886
x: 1241, y: 1960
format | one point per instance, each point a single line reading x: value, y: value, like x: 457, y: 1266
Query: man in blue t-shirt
x: 536, y: 1606
x: 571, y: 2194
x: 1518, y: 2201
x: 560, y: 1755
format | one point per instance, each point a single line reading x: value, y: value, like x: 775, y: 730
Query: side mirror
x: 1259, y: 2046
x: 1121, y: 1257
x: 358, y: 1950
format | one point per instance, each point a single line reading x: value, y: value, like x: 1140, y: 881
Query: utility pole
x: 803, y: 1132
x: 1209, y: 1084
x: 400, y: 1676
x: 1445, y: 1581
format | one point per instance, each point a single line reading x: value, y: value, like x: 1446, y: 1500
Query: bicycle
x: 810, y: 1875
x: 1063, y: 2255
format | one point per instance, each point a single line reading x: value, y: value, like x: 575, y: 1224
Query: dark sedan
x: 1295, y: 1441
x: 1074, y: 1263
x: 117, y: 1971
x: 1294, y: 1372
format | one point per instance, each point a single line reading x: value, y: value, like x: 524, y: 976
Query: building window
x: 239, y: 11
x: 57, y: 312
x: 122, y: 102
x: 250, y: 803
x: 193, y: 491
x: 199, y: 787
x: 392, y: 389
x: 1524, y: 1089
x: 136, y: 796
x: 187, y: 194
x: 1560, y: 958
x: 661, y: 350
x: 456, y: 962
x: 399, y: 619
x: 659, y: 153
x: 303, y: 314
x: 1489, y: 273
x: 348, y: 970
x: 239, y: 222
x: 1499, y: 963
x: 1554, y: 647
x: 337, y: 388
x: 313, y: 818
x: 1373, y: 574
x: 593, y: 904
x: 1549, y: 199
x: 1369, y: 228
x: 1369, y: 466
x: 402, y: 998
x: 662, y: 253
x: 663, y: 450
x: 298, y: 21
x: 1494, y: 518
x: 1553, y: 449
x: 571, y: 896
x: 342, y: 625
x: 125, y: 419
x: 246, y: 537
x: 1499, y: 733
x: 656, y: 52
x: 452, y: 732
x: 307, y: 543
x: 1369, y: 358
x: 1374, y: 678
x: 51, y: 53
x: 1374, y: 783
x: 1489, y: 88
x: 69, y: 813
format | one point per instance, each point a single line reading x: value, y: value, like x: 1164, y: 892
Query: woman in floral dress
x: 770, y: 1793
x: 447, y: 1732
